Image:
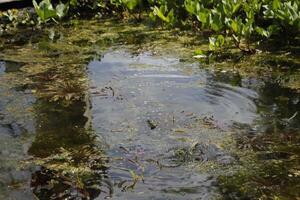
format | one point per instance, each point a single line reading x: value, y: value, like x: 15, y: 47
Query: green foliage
x: 163, y: 14
x: 131, y: 4
x: 46, y: 11
x: 12, y: 19
x: 285, y: 14
x: 243, y: 21
x: 216, y: 42
x: 239, y: 21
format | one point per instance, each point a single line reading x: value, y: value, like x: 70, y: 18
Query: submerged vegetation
x: 243, y: 24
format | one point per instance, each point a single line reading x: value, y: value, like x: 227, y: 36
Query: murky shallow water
x: 132, y: 129
x: 129, y: 90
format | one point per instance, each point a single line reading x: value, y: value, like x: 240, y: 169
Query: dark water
x: 125, y: 124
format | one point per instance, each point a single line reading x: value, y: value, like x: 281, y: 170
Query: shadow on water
x: 269, y: 148
x: 70, y: 160
x: 270, y: 155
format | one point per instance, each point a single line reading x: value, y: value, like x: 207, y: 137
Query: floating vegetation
x: 200, y: 152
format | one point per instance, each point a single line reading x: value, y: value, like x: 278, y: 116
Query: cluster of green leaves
x: 166, y: 11
x: 13, y: 18
x: 130, y: 5
x: 238, y: 22
x: 244, y: 21
x: 46, y: 11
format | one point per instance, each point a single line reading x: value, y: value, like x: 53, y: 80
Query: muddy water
x: 115, y: 111
x: 131, y: 90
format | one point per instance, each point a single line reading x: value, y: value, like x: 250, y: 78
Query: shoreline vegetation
x: 242, y: 24
x: 257, y: 38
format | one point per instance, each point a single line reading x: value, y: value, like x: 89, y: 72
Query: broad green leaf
x: 44, y: 10
x: 262, y: 32
x: 157, y: 12
x: 132, y: 4
x: 236, y: 7
x: 276, y: 4
x: 203, y: 17
x: 221, y: 40
x: 234, y: 26
x: 170, y: 17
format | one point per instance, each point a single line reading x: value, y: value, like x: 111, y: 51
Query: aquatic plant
x: 46, y: 11
x: 242, y: 24
x: 238, y: 22
x: 82, y: 170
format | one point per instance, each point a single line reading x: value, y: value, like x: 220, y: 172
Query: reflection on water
x: 280, y: 107
x: 70, y: 162
x: 186, y: 107
x: 156, y: 81
x: 64, y: 127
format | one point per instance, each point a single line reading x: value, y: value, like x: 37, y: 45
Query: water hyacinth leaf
x: 216, y: 23
x: 132, y: 4
x: 157, y: 11
x: 236, y: 7
x: 44, y: 10
x: 276, y: 4
x: 203, y: 17
x: 234, y: 26
x: 216, y: 42
x: 169, y: 19
x: 262, y: 32
x: 220, y: 40
x: 193, y: 7
x: 199, y: 52
x: 190, y: 7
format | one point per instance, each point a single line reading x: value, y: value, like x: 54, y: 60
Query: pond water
x: 104, y: 110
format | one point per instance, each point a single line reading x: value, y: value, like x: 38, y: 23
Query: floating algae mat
x: 98, y: 109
